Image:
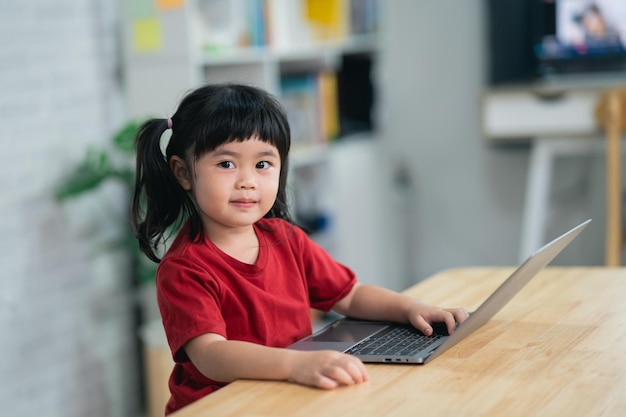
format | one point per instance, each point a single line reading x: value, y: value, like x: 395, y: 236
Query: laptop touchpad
x: 340, y: 335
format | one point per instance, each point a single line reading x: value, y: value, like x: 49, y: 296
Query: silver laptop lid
x: 509, y: 288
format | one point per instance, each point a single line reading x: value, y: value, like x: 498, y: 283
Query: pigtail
x: 158, y: 197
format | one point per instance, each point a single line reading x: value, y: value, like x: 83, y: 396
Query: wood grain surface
x: 557, y: 349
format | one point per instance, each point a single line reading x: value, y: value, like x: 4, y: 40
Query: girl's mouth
x: 244, y: 203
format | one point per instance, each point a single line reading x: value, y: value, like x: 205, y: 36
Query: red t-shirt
x: 200, y: 289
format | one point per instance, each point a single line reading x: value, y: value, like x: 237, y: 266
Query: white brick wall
x: 67, y: 346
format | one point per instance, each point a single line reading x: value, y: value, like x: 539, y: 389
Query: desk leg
x: 537, y: 196
x: 614, y: 233
x: 538, y: 183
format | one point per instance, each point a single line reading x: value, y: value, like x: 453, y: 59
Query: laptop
x: 386, y: 342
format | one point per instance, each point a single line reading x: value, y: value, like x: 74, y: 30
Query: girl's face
x: 235, y: 185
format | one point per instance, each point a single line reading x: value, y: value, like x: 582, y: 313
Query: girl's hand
x: 327, y: 369
x: 421, y: 316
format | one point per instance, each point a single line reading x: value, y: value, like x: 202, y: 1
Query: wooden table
x: 557, y: 349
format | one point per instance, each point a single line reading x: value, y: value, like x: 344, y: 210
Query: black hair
x: 206, y: 118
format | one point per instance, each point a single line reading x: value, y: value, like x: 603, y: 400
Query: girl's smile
x: 244, y: 203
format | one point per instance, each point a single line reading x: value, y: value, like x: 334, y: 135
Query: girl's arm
x: 371, y: 302
x: 227, y: 360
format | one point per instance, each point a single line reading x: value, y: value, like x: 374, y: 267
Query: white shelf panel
x: 312, y: 51
x: 307, y: 155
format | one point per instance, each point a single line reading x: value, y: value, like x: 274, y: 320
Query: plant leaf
x: 124, y: 138
x: 94, y: 169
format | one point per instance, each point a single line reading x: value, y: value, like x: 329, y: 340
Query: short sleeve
x: 328, y: 281
x: 189, y: 301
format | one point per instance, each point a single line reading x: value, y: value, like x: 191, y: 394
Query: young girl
x: 236, y: 285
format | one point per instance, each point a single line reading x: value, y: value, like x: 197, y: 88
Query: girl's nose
x: 246, y: 181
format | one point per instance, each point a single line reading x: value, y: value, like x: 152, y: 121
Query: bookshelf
x: 316, y: 56
x: 173, y: 42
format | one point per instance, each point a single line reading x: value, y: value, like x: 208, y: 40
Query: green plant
x: 117, y: 164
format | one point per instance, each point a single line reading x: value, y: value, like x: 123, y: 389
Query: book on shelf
x: 328, y: 19
x: 257, y: 21
x: 231, y: 24
x: 311, y: 104
x: 281, y: 24
x: 328, y: 104
x: 363, y: 17
x: 287, y: 25
x: 339, y: 19
x: 356, y: 94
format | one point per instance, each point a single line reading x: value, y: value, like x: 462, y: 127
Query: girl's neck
x: 241, y: 243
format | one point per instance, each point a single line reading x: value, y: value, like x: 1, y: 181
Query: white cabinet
x: 547, y: 109
x: 526, y: 113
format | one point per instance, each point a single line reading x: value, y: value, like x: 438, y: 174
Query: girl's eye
x: 226, y: 164
x: 263, y: 165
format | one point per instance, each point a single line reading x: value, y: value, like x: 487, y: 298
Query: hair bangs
x: 238, y: 121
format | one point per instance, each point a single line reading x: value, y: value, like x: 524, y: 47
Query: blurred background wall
x: 468, y: 194
x: 69, y: 343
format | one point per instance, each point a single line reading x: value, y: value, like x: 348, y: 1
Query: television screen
x: 579, y: 35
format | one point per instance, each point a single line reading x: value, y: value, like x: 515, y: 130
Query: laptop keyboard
x: 397, y: 341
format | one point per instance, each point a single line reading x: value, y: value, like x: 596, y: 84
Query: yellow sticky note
x: 169, y: 4
x: 147, y: 35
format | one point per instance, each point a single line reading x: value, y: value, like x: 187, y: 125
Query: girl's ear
x: 181, y: 172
